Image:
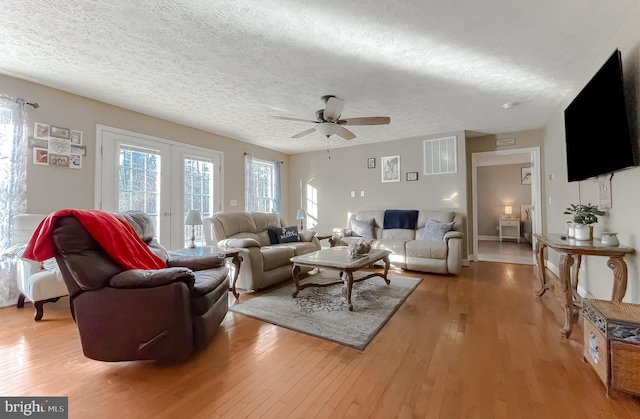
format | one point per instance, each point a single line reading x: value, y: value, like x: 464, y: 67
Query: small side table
x: 229, y: 252
x: 509, y: 225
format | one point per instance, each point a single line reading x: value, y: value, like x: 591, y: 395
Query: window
x: 161, y: 177
x: 312, y: 206
x: 262, y: 185
x: 198, y: 190
x: 139, y: 181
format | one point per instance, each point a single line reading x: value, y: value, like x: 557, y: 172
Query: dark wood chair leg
x: 21, y: 298
x: 39, y: 310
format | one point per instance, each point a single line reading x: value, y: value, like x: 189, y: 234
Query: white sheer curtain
x: 13, y: 190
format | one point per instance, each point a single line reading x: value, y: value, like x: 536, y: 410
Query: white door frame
x: 501, y: 157
x: 177, y: 148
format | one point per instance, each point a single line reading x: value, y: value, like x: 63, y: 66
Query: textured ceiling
x: 225, y: 66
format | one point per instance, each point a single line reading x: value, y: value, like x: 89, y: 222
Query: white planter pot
x: 583, y: 232
x: 571, y: 230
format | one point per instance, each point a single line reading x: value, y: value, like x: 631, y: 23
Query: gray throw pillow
x: 363, y: 228
x: 435, y: 230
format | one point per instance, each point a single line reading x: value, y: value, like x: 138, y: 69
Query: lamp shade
x: 301, y: 215
x: 508, y: 210
x: 193, y: 218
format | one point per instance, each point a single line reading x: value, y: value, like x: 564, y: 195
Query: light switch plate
x: 233, y: 203
x: 361, y: 194
x: 353, y: 194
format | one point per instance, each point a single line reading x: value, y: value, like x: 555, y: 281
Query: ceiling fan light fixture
x: 328, y: 128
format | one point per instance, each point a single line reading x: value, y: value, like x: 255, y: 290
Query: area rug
x: 323, y: 312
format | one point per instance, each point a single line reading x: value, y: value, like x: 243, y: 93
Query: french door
x: 163, y: 178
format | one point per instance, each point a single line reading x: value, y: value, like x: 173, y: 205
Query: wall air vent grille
x: 440, y: 156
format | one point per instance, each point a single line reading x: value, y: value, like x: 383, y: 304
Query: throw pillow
x: 435, y: 230
x: 307, y: 235
x: 363, y: 228
x: 283, y: 235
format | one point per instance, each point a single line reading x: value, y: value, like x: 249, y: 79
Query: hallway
x: 507, y: 251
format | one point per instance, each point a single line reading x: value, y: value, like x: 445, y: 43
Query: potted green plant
x: 582, y: 216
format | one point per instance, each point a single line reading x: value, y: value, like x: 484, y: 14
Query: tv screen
x: 596, y: 125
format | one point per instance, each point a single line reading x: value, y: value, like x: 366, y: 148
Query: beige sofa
x: 408, y: 250
x: 263, y: 264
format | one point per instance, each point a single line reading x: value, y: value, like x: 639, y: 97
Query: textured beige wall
x: 596, y: 277
x: 499, y: 186
x: 347, y: 171
x: 51, y: 188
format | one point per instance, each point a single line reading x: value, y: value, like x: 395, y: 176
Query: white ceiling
x: 225, y: 66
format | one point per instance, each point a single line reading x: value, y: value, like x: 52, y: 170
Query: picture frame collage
x: 57, y: 146
x: 390, y: 169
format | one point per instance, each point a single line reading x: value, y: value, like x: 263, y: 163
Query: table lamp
x: 301, y: 216
x: 508, y: 210
x: 193, y: 219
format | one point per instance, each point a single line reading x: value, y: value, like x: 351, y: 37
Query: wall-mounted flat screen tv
x: 596, y: 125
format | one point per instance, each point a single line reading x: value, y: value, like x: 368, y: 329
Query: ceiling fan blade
x: 368, y: 120
x: 346, y: 134
x: 333, y: 110
x: 303, y: 133
x: 286, y: 118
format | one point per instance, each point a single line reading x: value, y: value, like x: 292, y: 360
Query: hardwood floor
x: 480, y: 345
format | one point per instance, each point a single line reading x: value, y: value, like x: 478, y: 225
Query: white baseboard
x: 489, y: 238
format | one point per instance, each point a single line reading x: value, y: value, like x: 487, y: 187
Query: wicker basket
x: 612, y: 343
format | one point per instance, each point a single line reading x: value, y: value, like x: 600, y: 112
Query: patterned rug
x: 323, y: 312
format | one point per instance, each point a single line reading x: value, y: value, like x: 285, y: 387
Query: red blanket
x: 116, y: 236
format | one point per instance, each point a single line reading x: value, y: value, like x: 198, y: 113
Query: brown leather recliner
x: 124, y: 315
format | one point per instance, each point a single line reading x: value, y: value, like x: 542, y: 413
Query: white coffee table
x: 337, y: 258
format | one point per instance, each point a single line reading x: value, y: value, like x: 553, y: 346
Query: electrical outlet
x: 353, y: 194
x: 233, y: 202
x: 361, y: 194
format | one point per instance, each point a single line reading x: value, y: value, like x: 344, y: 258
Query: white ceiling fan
x: 328, y: 120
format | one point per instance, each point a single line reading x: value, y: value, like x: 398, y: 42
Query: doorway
x: 161, y: 177
x: 528, y: 216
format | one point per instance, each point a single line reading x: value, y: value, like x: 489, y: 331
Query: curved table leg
x: 566, y: 262
x: 619, y: 267
x: 237, y: 259
x: 295, y: 272
x: 387, y: 264
x: 542, y: 276
x: 348, y: 286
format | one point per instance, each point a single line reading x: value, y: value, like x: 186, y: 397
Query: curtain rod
x: 281, y: 162
x: 32, y: 104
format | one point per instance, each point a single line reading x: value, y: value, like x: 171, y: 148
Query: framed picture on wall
x: 41, y: 131
x: 371, y: 163
x: 525, y: 176
x: 412, y: 176
x: 390, y: 168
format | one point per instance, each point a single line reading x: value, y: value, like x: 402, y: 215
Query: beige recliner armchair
x: 39, y: 283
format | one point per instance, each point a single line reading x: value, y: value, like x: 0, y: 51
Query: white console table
x: 509, y: 228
